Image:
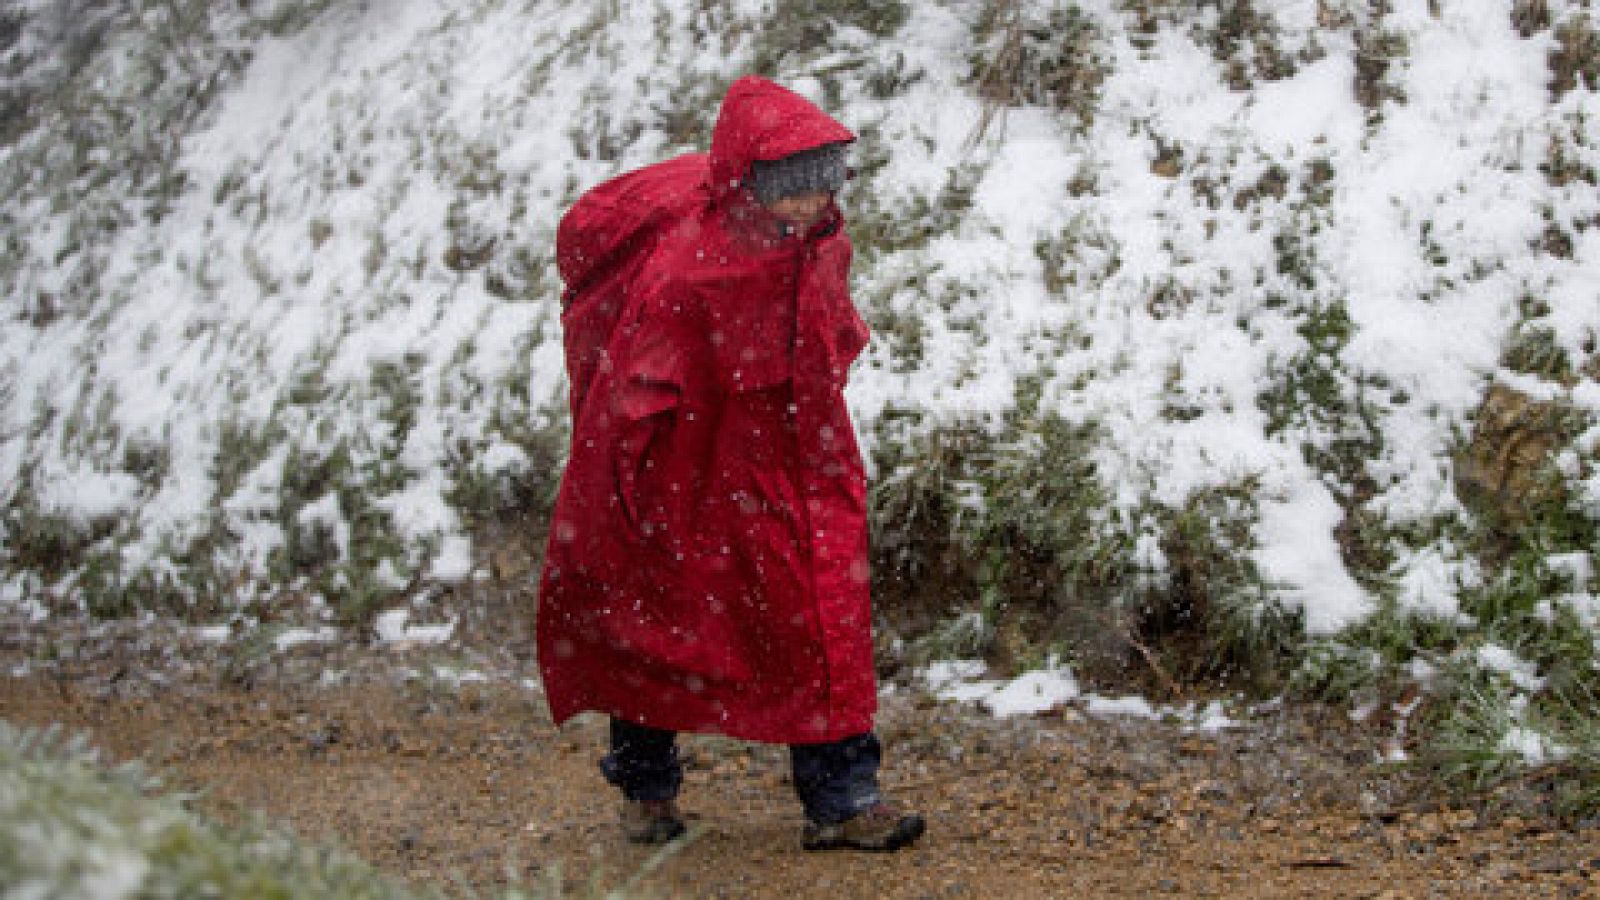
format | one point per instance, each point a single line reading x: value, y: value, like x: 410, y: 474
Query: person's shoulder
x: 693, y: 250
x: 667, y: 282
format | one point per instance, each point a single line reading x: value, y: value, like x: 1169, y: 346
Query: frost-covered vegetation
x: 1217, y: 341
x: 74, y: 828
x: 71, y: 827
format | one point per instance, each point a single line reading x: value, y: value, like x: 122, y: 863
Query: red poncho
x: 707, y: 562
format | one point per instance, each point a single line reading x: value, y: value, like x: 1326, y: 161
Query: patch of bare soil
x: 441, y: 781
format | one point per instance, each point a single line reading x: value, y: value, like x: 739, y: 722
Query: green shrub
x: 71, y: 828
x: 1045, y: 57
x: 883, y: 224
x: 1335, y: 416
x: 1335, y: 671
x: 481, y: 494
x: 1006, y: 546
x: 921, y: 516
x: 1575, y: 60
x: 342, y: 567
x: 1467, y: 744
x: 1487, y: 734
x: 1479, y: 728
x: 1226, y: 620
x: 804, y: 27
x: 1377, y: 48
x: 44, y: 542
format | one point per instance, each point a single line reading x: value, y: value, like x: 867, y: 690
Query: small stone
x: 1553, y: 865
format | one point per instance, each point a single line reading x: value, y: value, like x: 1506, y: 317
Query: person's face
x: 801, y: 210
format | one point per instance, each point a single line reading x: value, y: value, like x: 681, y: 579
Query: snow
x: 393, y: 627
x: 458, y: 677
x: 305, y: 256
x: 1299, y: 556
x: 1213, y: 718
x: 290, y: 638
x: 1534, y: 748
x: 212, y: 634
x: 1586, y: 607
x: 114, y: 872
x: 1578, y: 567
x: 15, y: 594
x: 1522, y: 673
x: 86, y: 495
x: 1029, y: 694
x: 1032, y: 693
x: 1130, y: 706
x: 1433, y: 580
x: 454, y: 562
x: 1053, y: 688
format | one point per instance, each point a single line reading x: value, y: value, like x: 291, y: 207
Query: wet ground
x: 388, y: 751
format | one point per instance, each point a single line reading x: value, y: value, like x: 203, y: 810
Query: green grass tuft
x: 72, y: 828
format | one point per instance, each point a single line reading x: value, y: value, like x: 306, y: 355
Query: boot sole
x: 658, y: 833
x: 906, y: 832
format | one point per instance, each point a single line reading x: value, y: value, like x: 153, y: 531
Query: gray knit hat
x: 818, y: 169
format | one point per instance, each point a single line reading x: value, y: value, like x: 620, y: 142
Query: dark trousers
x: 834, y: 781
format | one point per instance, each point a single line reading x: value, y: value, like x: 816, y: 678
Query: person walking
x: 707, y: 564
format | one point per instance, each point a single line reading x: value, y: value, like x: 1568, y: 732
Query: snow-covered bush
x: 74, y: 828
x: 71, y: 828
x: 1044, y: 55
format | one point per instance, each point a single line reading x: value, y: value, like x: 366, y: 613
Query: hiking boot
x: 651, y: 821
x: 880, y: 829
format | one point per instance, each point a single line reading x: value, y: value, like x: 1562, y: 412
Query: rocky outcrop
x: 1505, y: 465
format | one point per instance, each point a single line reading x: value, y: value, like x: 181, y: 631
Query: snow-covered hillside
x: 280, y: 309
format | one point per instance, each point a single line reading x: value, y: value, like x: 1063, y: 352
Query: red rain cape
x: 707, y: 561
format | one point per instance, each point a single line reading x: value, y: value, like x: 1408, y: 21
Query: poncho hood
x: 763, y: 120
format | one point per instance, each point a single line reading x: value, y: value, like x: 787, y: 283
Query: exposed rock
x: 1513, y: 438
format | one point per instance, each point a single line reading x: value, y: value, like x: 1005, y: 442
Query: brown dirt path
x: 472, y: 782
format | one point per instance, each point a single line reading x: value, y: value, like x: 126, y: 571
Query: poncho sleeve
x: 652, y: 368
x: 652, y: 360
x: 827, y: 316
